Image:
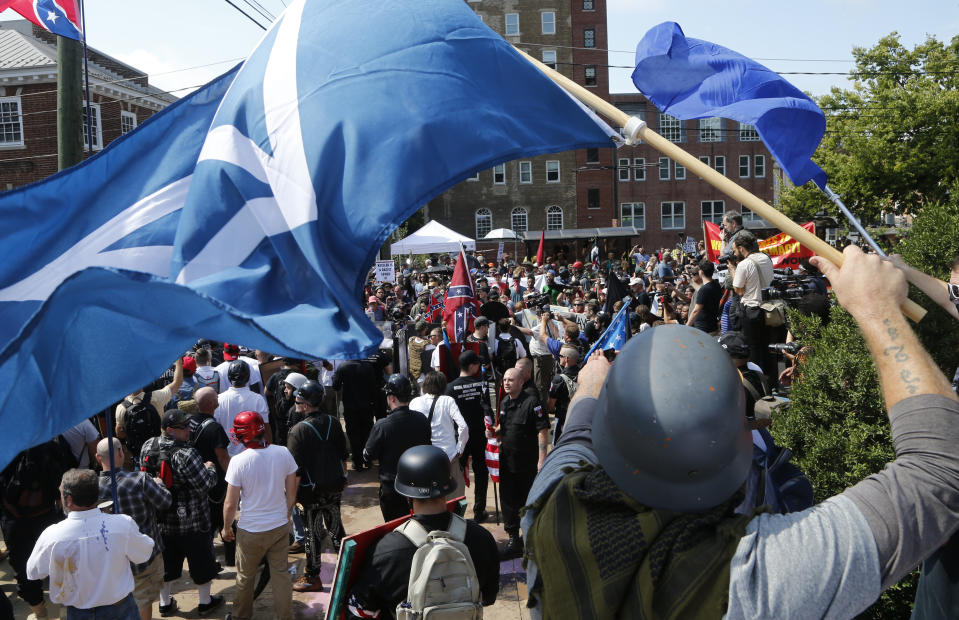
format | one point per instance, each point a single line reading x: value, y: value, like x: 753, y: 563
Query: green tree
x: 890, y: 142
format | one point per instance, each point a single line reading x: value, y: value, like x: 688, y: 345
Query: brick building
x: 121, y: 98
x: 622, y: 196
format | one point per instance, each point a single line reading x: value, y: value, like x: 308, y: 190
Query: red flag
x: 540, y: 255
x: 435, y: 312
x: 61, y: 17
x: 785, y: 251
x: 460, y: 305
x: 714, y: 240
x: 492, y: 454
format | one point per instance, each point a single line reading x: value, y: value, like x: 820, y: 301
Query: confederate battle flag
x: 461, y: 304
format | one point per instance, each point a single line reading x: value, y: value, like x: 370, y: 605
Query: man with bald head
x: 140, y: 497
x: 210, y: 440
x: 522, y: 430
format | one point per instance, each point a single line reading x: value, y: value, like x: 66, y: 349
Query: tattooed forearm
x: 898, y: 354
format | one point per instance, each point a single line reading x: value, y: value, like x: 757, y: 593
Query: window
x: 670, y: 128
x: 748, y: 133
x: 759, y: 169
x: 549, y: 58
x: 674, y: 215
x: 590, y: 75
x: 499, y: 174
x: 525, y: 172
x: 713, y: 211
x: 663, y: 168
x: 639, y: 168
x: 622, y: 170
x: 587, y: 5
x: 592, y: 156
x: 512, y: 24
x: 589, y: 37
x: 475, y: 177
x: 128, y: 121
x: 518, y: 219
x: 549, y: 22
x: 680, y: 172
x: 633, y: 214
x: 484, y: 222
x: 554, y: 218
x: 552, y: 171
x: 721, y: 164
x: 749, y: 216
x: 592, y: 198
x: 704, y: 159
x: 711, y: 129
x: 95, y: 118
x: 743, y: 166
x: 11, y: 122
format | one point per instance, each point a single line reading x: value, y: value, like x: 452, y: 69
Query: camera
x: 803, y: 292
x: 540, y: 301
x: 792, y: 348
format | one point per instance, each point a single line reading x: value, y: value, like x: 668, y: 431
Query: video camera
x: 540, y: 302
x: 780, y: 348
x: 804, y: 292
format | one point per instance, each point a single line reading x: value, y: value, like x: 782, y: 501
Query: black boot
x: 513, y: 548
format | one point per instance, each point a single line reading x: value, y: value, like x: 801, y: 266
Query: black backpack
x: 506, y: 354
x: 30, y: 484
x: 141, y: 422
x: 325, y: 474
x: 157, y: 460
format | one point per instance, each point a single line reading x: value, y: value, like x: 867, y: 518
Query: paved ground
x: 360, y: 511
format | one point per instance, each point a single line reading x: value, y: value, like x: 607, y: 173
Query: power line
x: 256, y: 6
x: 247, y: 15
x: 600, y: 49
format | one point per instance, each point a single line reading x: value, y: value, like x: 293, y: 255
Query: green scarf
x: 603, y: 555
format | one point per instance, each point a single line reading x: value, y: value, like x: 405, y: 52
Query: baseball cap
x: 634, y: 281
x: 578, y: 265
x: 189, y: 366
x: 468, y: 358
x: 373, y: 300
x: 175, y: 418
x: 230, y: 351
x: 735, y: 344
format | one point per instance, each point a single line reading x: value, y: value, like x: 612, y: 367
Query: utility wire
x: 245, y: 14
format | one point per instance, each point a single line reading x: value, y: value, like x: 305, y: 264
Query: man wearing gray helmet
x: 648, y: 527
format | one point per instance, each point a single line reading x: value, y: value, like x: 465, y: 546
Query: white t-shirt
x: 752, y: 274
x: 234, y: 401
x: 255, y: 378
x: 260, y: 474
x: 78, y: 437
x: 448, y: 428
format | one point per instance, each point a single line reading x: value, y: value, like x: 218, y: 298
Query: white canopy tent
x: 432, y: 238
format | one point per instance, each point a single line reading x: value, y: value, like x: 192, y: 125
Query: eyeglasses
x: 300, y: 402
x: 953, y: 291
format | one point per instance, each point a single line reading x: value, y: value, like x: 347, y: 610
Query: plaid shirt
x: 141, y: 498
x: 192, y: 482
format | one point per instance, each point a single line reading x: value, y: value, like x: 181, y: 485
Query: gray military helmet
x: 670, y: 426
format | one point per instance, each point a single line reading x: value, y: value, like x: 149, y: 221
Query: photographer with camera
x: 753, y: 273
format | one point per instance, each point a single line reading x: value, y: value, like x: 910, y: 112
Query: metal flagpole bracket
x: 632, y: 129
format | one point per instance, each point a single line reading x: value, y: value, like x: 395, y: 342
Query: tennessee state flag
x: 61, y: 17
x: 714, y: 240
x: 460, y: 305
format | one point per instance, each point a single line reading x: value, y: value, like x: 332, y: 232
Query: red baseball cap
x: 230, y: 351
x: 189, y: 366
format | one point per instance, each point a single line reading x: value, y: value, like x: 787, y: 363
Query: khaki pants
x: 251, y: 547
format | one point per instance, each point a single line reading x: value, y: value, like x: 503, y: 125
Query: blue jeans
x: 125, y: 609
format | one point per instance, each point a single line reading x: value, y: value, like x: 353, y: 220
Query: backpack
x: 157, y: 461
x: 506, y: 354
x: 326, y: 473
x: 218, y: 492
x: 141, y: 422
x: 571, y: 385
x: 212, y: 381
x: 30, y: 483
x: 443, y: 583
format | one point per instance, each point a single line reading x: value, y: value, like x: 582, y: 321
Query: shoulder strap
x: 414, y: 532
x: 199, y: 430
x: 432, y: 407
x: 313, y: 428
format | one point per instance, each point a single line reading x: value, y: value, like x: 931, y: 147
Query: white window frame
x: 525, y: 172
x: 475, y: 177
x: 97, y: 125
x: 590, y: 40
x: 499, y: 170
x: 759, y: 166
x: 663, y: 168
x: 671, y: 128
x: 671, y: 205
x: 18, y: 121
x: 589, y: 5
x: 586, y: 78
x: 679, y: 172
x: 549, y: 58
x: 744, y: 166
x: 633, y: 208
x: 514, y: 17
x: 487, y: 216
x: 548, y: 22
x: 622, y: 169
x: 748, y: 133
x: 130, y: 116
x: 639, y: 169
x: 554, y: 163
x: 711, y: 129
x: 552, y: 212
x: 704, y: 159
x: 519, y: 212
x: 715, y: 216
x: 749, y: 216
x: 720, y: 164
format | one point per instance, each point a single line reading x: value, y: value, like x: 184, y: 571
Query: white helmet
x: 296, y: 380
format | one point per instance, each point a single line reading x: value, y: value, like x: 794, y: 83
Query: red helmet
x: 247, y: 427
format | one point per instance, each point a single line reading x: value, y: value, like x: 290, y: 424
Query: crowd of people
x: 607, y: 462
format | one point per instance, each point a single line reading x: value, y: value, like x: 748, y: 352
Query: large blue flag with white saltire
x: 251, y: 211
x: 691, y: 78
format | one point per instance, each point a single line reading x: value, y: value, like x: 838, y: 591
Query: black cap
x: 735, y: 344
x: 175, y: 418
x: 468, y: 358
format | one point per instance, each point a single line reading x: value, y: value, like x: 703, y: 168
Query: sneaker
x: 215, y: 601
x: 308, y: 584
x: 513, y: 548
x: 296, y: 547
x: 169, y: 610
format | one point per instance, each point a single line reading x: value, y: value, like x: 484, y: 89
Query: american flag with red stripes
x: 492, y: 453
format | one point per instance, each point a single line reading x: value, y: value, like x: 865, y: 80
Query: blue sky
x: 171, y: 41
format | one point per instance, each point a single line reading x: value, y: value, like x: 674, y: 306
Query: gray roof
x: 18, y: 51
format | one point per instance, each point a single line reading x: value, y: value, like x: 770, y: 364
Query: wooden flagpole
x: 619, y: 118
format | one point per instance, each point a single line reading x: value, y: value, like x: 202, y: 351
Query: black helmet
x: 423, y: 472
x: 673, y: 435
x: 238, y: 373
x: 400, y: 387
x: 311, y: 392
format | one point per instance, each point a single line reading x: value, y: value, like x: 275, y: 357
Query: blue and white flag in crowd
x: 691, y: 78
x: 616, y: 334
x: 251, y: 211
